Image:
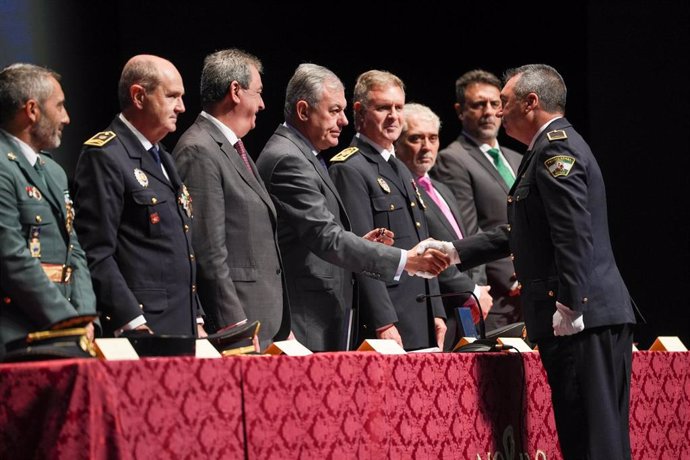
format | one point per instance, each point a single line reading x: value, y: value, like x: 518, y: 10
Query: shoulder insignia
x: 559, y: 165
x: 100, y: 139
x: 556, y: 135
x: 344, y: 155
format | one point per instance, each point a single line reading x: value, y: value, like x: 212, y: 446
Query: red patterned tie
x: 239, y: 146
x: 425, y: 183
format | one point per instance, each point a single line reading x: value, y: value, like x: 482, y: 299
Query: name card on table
x: 668, y: 343
x: 204, y: 349
x: 287, y: 347
x: 383, y: 346
x: 115, y: 349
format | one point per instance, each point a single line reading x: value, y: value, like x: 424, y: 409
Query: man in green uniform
x: 44, y: 278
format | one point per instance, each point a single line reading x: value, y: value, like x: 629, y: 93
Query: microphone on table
x: 482, y: 343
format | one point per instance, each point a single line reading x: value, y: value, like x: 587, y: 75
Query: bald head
x: 145, y: 70
x: 150, y: 93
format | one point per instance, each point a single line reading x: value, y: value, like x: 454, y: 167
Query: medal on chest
x: 185, y: 200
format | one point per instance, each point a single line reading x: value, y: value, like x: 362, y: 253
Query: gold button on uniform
x: 412, y: 204
x: 512, y: 257
x: 191, y: 256
x: 550, y: 293
x: 154, y: 200
x: 418, y: 224
x: 193, y: 287
x: 584, y: 300
x: 392, y: 207
x: 186, y: 227
x: 39, y: 219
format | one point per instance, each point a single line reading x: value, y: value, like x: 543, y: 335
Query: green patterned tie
x: 503, y: 170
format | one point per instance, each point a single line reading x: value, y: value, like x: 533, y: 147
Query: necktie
x: 239, y: 146
x: 425, y: 183
x: 503, y: 170
x: 322, y: 161
x: 155, y: 154
x: 41, y: 173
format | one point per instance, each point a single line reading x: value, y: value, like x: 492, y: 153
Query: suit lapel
x: 311, y: 158
x: 476, y: 153
x: 450, y: 201
x: 235, y: 161
x: 136, y: 152
x: 48, y: 189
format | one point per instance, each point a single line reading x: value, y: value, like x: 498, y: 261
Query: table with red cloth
x: 328, y: 405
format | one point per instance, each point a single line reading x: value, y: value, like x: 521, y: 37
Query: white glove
x: 566, y: 321
x: 445, y: 247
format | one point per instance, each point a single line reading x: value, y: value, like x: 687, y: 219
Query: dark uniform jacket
x: 240, y: 273
x: 377, y: 193
x: 558, y: 234
x: 481, y: 192
x: 135, y: 226
x: 319, y: 254
x: 53, y: 284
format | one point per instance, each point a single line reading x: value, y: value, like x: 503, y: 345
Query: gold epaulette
x: 100, y: 139
x: 344, y: 155
x: 556, y: 135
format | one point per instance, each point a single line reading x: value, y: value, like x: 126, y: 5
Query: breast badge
x: 185, y: 200
x: 33, y: 192
x: 383, y: 184
x: 141, y: 177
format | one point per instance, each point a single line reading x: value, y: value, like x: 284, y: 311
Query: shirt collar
x: 541, y: 130
x: 303, y: 137
x: 142, y: 139
x: 385, y: 153
x: 483, y: 146
x: 224, y: 129
x: 28, y: 152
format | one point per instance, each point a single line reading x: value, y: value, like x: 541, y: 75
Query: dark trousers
x: 589, y: 375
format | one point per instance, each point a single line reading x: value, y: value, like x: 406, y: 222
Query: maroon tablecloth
x: 331, y: 405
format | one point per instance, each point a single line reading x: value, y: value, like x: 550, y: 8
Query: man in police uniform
x: 44, y: 278
x: 378, y: 191
x: 576, y: 305
x: 134, y: 215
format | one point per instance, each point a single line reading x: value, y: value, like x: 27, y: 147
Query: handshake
x: 430, y: 257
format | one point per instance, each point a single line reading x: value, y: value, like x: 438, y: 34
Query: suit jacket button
x: 510, y: 199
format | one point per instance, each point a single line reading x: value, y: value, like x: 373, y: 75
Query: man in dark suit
x: 134, y: 214
x: 240, y: 273
x: 319, y: 250
x: 417, y: 147
x: 577, y: 307
x: 378, y: 191
x: 44, y: 278
x: 468, y: 168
